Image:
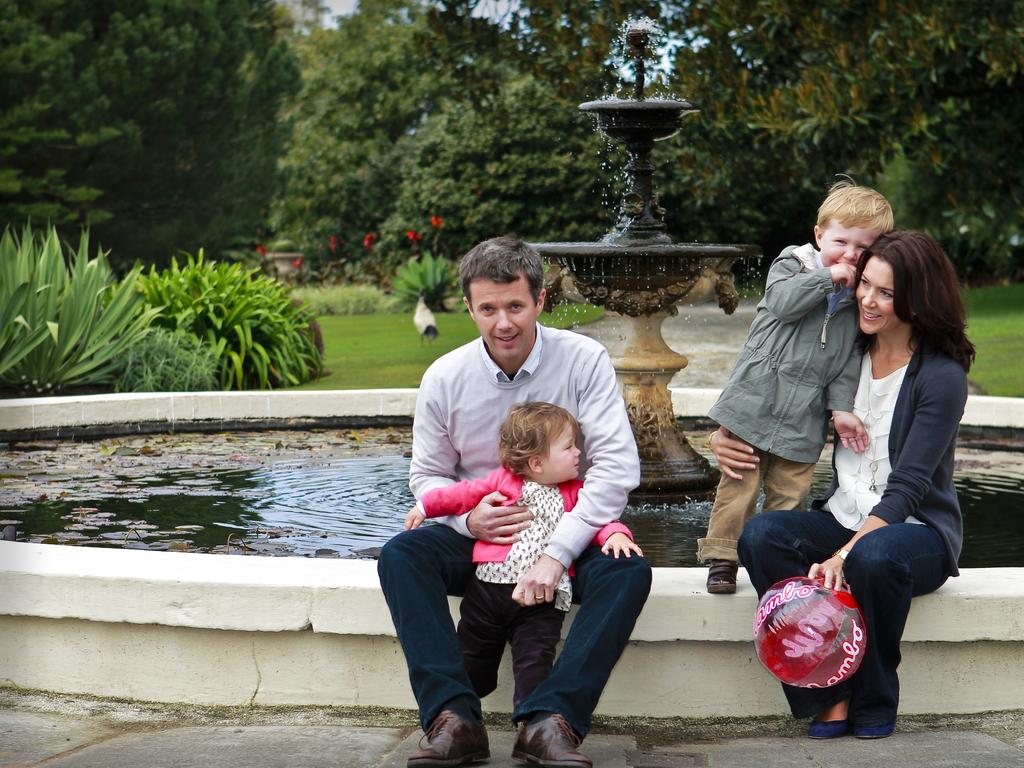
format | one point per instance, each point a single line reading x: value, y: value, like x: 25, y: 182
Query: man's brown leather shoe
x: 450, y: 740
x: 551, y: 743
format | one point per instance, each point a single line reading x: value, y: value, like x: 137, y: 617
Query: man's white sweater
x: 461, y: 405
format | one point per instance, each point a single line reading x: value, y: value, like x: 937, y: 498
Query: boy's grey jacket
x: 797, y: 365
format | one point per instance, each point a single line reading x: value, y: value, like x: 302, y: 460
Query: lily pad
x: 70, y: 536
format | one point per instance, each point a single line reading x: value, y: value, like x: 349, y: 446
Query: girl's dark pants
x: 885, y: 569
x: 419, y: 568
x: 490, y: 618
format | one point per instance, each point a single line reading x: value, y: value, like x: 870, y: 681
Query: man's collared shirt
x: 526, y: 369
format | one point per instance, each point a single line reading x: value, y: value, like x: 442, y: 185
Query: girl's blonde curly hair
x: 528, y: 431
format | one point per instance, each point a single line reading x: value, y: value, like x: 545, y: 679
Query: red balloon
x: 809, y: 636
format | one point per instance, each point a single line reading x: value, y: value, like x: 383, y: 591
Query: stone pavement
x: 70, y: 732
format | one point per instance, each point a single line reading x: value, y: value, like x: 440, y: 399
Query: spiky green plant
x: 65, y: 324
x: 434, y: 279
x: 260, y: 337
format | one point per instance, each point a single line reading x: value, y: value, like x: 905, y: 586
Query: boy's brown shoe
x: 722, y: 577
x: 451, y: 741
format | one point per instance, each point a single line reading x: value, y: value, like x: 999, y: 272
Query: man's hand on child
x: 497, y: 525
x: 539, y: 584
x: 731, y: 453
x: 851, y: 431
x: 843, y: 274
x: 620, y: 544
x: 414, y: 519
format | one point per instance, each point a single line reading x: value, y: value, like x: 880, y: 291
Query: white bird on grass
x: 424, y: 321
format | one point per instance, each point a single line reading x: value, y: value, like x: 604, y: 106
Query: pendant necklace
x: 874, y: 419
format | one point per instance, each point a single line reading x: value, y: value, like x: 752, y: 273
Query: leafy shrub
x: 260, y: 339
x: 436, y: 279
x: 64, y: 324
x: 166, y: 361
x: 345, y: 300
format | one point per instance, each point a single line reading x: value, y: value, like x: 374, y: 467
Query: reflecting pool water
x: 347, y: 493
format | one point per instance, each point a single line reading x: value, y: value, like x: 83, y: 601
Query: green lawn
x: 369, y: 351
x: 995, y: 323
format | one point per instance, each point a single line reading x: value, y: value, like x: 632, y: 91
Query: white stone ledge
x: 174, y: 410
x: 179, y: 410
x: 276, y: 594
x: 220, y: 629
x: 981, y: 410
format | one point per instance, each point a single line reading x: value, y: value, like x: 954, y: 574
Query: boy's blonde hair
x: 528, y: 431
x: 855, y: 206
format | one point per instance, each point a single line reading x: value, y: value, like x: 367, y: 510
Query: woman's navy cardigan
x: 922, y: 440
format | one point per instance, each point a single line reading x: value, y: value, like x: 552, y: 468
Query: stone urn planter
x: 283, y: 260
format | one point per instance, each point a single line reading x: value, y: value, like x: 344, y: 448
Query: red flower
x: 261, y: 249
x: 436, y: 222
x: 297, y: 263
x: 413, y: 236
x: 333, y: 243
x: 369, y: 239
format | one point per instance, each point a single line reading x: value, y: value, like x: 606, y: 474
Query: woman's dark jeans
x: 418, y: 569
x: 884, y: 569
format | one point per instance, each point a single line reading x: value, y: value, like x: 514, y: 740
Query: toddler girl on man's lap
x: 540, y: 470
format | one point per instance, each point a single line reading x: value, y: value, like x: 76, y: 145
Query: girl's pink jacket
x: 460, y: 498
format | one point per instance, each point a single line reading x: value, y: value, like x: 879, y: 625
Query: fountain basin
x: 632, y: 121
x: 638, y: 278
x: 217, y: 629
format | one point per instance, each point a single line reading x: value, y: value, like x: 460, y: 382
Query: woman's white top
x: 862, y: 477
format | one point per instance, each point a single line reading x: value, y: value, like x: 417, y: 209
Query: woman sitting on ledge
x: 889, y: 527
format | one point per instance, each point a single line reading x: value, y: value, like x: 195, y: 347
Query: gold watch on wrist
x: 841, y: 553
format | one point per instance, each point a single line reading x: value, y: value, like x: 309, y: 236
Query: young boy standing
x: 796, y: 367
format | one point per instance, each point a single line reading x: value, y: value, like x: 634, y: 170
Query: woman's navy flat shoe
x: 874, y: 731
x: 831, y: 729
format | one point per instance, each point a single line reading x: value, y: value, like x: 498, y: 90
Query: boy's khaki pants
x: 786, y: 484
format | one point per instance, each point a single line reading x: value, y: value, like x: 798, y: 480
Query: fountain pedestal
x: 643, y: 284
x: 645, y: 364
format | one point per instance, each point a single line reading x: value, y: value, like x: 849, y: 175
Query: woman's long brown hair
x: 926, y: 292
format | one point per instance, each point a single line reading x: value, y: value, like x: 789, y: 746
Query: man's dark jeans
x: 885, y: 569
x: 418, y: 569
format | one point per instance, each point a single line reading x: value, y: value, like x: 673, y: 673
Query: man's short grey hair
x: 502, y: 260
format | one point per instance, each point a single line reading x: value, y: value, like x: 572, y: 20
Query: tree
x: 857, y: 85
x: 520, y: 161
x: 473, y: 117
x: 794, y: 92
x: 366, y: 89
x: 154, y: 122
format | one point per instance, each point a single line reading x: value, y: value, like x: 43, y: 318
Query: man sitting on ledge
x: 462, y: 400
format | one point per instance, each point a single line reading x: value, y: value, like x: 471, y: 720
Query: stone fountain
x: 637, y: 271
